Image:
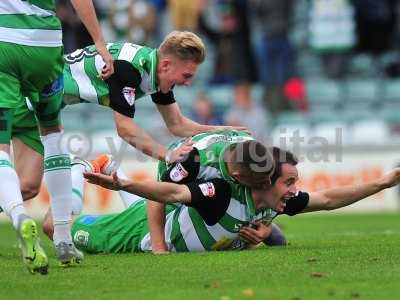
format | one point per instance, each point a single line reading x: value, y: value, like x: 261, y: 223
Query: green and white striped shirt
x: 83, y: 69
x: 185, y: 230
x: 30, y: 23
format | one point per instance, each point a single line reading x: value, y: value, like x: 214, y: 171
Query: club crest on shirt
x: 81, y: 238
x: 178, y: 173
x: 129, y: 95
x: 207, y: 189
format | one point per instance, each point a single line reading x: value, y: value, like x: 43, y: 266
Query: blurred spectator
x: 133, y: 20
x: 295, y: 92
x: 246, y: 112
x: 204, y: 112
x: 231, y: 38
x: 332, y: 33
x: 375, y: 24
x: 184, y: 14
x: 273, y: 18
x: 276, y: 53
x: 392, y: 70
x: 159, y: 4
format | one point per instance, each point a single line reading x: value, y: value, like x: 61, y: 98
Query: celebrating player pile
x: 138, y: 71
x: 217, y: 210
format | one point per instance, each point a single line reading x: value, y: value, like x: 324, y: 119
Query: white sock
x: 57, y: 174
x: 77, y: 188
x: 128, y: 198
x: 10, y: 191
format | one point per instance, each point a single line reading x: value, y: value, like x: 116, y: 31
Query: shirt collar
x: 223, y: 166
x: 153, y: 69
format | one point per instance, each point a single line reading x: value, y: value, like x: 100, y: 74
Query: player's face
x: 175, y: 72
x: 284, y: 187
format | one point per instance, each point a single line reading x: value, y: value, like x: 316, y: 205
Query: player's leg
x: 77, y: 169
x: 29, y: 167
x: 27, y: 150
x: 116, y: 233
x: 106, y: 164
x: 57, y: 170
x: 127, y: 198
x: 113, y: 233
x: 10, y: 194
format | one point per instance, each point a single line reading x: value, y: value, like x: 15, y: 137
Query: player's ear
x: 165, y: 63
x: 236, y: 175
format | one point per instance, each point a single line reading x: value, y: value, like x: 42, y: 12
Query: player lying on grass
x: 207, y: 160
x: 225, y: 154
x: 213, y: 215
x: 126, y: 230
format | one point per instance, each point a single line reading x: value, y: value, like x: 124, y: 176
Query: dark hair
x: 281, y: 157
x: 252, y: 157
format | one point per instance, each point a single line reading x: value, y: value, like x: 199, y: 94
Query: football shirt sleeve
x: 210, y: 198
x: 184, y: 171
x: 163, y: 99
x: 122, y: 85
x: 296, y: 204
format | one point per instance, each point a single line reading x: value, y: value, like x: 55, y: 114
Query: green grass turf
x: 329, y: 257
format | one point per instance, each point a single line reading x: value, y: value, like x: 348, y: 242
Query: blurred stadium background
x: 326, y: 71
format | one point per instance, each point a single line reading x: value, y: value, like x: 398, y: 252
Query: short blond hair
x: 184, y: 45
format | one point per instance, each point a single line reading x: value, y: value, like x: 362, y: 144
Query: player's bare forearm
x: 156, y: 221
x: 138, y: 138
x: 178, y: 124
x: 87, y: 14
x: 342, y: 196
x: 187, y: 127
x: 346, y: 195
x: 146, y: 144
x: 163, y: 192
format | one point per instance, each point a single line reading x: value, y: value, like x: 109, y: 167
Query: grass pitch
x: 329, y: 257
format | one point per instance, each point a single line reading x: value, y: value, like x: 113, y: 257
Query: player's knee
x: 29, y: 190
x: 44, y: 131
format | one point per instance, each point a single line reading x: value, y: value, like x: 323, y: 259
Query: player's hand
x: 255, y: 235
x: 108, y: 68
x: 391, y: 179
x: 179, y: 153
x: 238, y: 128
x: 159, y: 248
x: 109, y: 182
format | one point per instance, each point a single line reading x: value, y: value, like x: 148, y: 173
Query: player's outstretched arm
x: 156, y: 221
x: 87, y: 14
x: 343, y: 196
x: 138, y: 138
x: 181, y: 126
x: 163, y: 192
